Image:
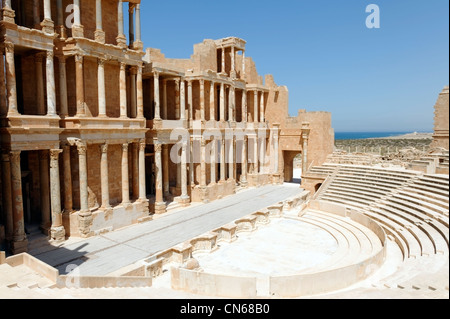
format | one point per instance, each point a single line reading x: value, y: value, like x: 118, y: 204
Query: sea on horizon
x: 365, y: 135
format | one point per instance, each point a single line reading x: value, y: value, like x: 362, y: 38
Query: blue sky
x: 385, y: 79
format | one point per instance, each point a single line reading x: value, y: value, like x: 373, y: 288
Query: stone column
x: 262, y: 109
x: 190, y: 101
x: 123, y: 91
x: 233, y: 104
x: 223, y: 165
x: 142, y: 187
x: 243, y: 64
x: 305, y: 137
x: 77, y: 28
x: 63, y: 86
x: 51, y: 88
x: 3, y: 105
x: 244, y: 106
x: 121, y: 39
x: 160, y: 206
x: 133, y: 97
x: 44, y: 190
x: 213, y: 160
x: 6, y: 195
x: 138, y: 45
x: 101, y: 88
x: 48, y: 25
x: 157, y: 99
x: 276, y: 141
x: 255, y: 154
x: 131, y: 22
x: 222, y: 102
x: 223, y: 61
x: 177, y: 99
x: 191, y: 162
x: 164, y: 106
x: 60, y: 19
x: 104, y: 175
x: 244, y: 167
x: 125, y: 177
x: 202, y: 100
x: 182, y: 100
x: 212, y: 103
x: 135, y: 170
x: 40, y: 93
x: 255, y: 107
x: 11, y: 89
x: 8, y: 12
x: 57, y: 231
x: 84, y: 195
x: 231, y: 160
x: 139, y: 93
x: 166, y: 185
x: 233, y: 61
x: 68, y: 199
x: 81, y: 108
x: 203, y: 163
x: 184, y: 191
x: 20, y: 243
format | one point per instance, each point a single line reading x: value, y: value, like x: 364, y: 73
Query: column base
x: 138, y: 45
x: 9, y: 15
x: 184, y: 201
x: 243, y: 183
x: 85, y: 223
x: 58, y: 234
x: 62, y: 32
x: 160, y: 208
x: 48, y: 26
x: 99, y: 36
x: 77, y: 31
x: 122, y: 41
x: 19, y: 247
x: 276, y: 179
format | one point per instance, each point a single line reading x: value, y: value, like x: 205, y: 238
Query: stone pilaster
x: 63, y: 86
x: 156, y: 94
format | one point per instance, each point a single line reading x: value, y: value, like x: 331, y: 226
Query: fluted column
x: 231, y: 160
x: 104, y: 176
x: 121, y: 39
x: 51, y: 87
x: 212, y: 103
x: 82, y: 164
x: 11, y: 89
x: 256, y: 109
x: 40, y: 93
x: 77, y: 28
x: 133, y: 97
x: 177, y: 99
x: 213, y: 161
x: 3, y: 104
x: 222, y: 102
x: 48, y: 25
x: 101, y: 88
x: 166, y: 185
x: 182, y: 99
x: 223, y: 165
x: 262, y: 118
x: 7, y: 195
x: 202, y: 100
x: 255, y: 155
x: 156, y: 94
x: 68, y: 197
x: 160, y: 206
x: 184, y: 190
x: 63, y: 86
x: 138, y: 45
x: 223, y: 61
x: 142, y: 187
x: 164, y: 103
x: 123, y: 91
x: 244, y: 167
x: 244, y: 106
x: 57, y: 231
x: 139, y: 93
x: 190, y: 101
x: 125, y: 176
x: 44, y: 189
x: 99, y: 33
x: 203, y: 163
x: 81, y: 108
x: 19, y: 244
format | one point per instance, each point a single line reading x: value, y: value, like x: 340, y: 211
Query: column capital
x: 15, y: 155
x: 158, y: 147
x: 142, y: 145
x: 125, y: 147
x: 104, y: 148
x: 156, y: 74
x: 9, y: 47
x: 79, y: 58
x: 123, y: 66
x: 50, y: 54
x: 102, y: 61
x: 54, y: 154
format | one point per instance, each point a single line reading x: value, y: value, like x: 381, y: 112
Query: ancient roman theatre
x: 127, y: 173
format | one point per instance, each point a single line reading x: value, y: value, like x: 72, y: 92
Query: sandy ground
x: 411, y: 136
